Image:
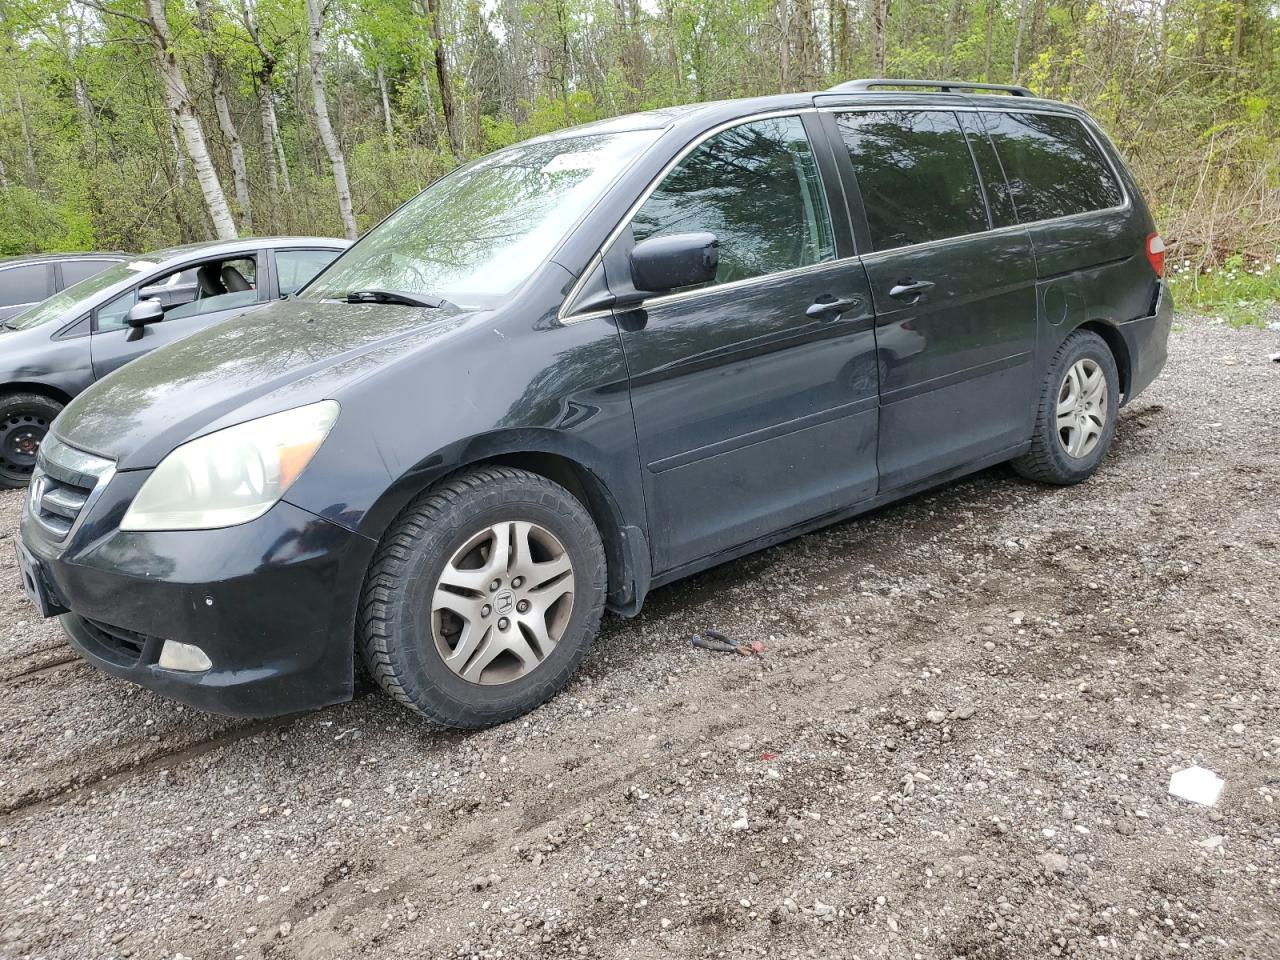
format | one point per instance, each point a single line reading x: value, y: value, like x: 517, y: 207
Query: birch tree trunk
x: 239, y: 171
x: 179, y: 156
x: 271, y: 126
x: 433, y: 122
x: 26, y: 133
x: 315, y: 62
x: 880, y: 24
x: 1017, y: 41
x: 272, y: 142
x: 431, y: 8
x: 386, y: 107
x: 273, y: 173
x: 179, y: 102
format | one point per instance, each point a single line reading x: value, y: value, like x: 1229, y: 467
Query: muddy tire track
x: 114, y: 776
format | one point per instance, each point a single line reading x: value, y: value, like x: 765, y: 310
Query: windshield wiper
x: 396, y: 296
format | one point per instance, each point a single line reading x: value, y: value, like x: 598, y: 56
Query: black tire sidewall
x: 10, y: 404
x: 1084, y: 345
x: 424, y: 674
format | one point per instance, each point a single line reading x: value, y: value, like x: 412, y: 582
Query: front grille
x: 56, y: 505
x: 63, y: 481
x: 125, y: 647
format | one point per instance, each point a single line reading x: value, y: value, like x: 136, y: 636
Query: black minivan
x: 588, y: 365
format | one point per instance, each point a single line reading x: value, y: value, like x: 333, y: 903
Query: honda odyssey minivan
x: 588, y: 365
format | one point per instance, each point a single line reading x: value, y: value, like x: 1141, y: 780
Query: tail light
x: 1155, y: 253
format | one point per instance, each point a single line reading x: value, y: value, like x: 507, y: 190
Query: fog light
x: 183, y: 656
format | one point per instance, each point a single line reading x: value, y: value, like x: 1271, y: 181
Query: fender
x: 611, y: 493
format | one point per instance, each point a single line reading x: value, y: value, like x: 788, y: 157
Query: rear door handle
x: 910, y: 290
x: 826, y: 309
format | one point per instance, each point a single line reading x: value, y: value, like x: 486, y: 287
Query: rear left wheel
x: 1077, y: 412
x: 24, y: 421
x: 483, y: 598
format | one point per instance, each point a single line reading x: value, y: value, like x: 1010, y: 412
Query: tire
x: 24, y: 420
x: 431, y: 620
x: 1050, y: 459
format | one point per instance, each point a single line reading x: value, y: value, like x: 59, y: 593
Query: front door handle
x: 910, y: 290
x: 828, y: 309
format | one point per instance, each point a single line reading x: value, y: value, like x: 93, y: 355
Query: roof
x: 215, y: 247
x: 244, y: 245
x: 77, y: 255
x: 868, y: 91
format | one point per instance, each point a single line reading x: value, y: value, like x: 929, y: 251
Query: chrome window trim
x: 567, y: 316
x: 666, y: 298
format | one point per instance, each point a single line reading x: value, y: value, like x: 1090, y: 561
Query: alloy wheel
x: 502, y: 602
x: 1082, y: 408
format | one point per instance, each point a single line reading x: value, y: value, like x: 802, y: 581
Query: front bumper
x: 1147, y: 340
x: 271, y: 603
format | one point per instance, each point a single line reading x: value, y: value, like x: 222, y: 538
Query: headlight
x: 233, y: 475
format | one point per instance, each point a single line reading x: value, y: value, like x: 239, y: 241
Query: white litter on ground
x: 1197, y: 784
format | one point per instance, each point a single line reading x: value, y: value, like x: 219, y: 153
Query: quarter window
x: 1053, y: 166
x: 73, y: 271
x: 24, y: 284
x: 114, y: 314
x: 295, y: 268
x: 754, y: 186
x: 915, y: 174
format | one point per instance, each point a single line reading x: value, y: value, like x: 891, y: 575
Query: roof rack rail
x: 944, y: 86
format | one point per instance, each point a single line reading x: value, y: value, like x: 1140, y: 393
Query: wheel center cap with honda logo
x: 504, y: 602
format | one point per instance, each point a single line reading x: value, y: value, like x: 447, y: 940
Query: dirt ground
x: 958, y: 744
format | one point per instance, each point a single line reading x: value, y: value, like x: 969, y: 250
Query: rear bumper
x: 271, y: 603
x: 1147, y: 340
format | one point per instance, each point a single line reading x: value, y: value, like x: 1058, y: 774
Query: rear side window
x: 754, y: 186
x: 915, y: 174
x: 295, y: 268
x: 28, y: 284
x: 73, y: 271
x: 1053, y: 166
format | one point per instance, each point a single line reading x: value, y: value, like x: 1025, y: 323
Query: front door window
x: 756, y: 187
x: 192, y: 291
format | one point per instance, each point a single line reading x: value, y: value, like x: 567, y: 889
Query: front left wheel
x: 24, y: 421
x: 483, y: 597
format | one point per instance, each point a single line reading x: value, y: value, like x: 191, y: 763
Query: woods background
x: 133, y: 124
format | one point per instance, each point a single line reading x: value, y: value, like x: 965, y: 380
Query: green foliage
x: 1237, y: 290
x: 544, y: 115
x: 27, y: 224
x: 89, y: 157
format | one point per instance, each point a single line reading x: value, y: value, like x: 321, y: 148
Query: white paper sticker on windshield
x: 142, y: 265
x: 571, y: 161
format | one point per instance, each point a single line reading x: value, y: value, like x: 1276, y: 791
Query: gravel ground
x: 958, y: 744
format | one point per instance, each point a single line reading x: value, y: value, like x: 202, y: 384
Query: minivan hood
x: 288, y: 353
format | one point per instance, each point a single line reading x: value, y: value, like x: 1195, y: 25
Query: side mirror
x: 679, y: 260
x: 140, y: 314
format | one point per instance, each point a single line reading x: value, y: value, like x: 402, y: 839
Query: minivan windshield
x: 477, y: 234
x: 63, y: 301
